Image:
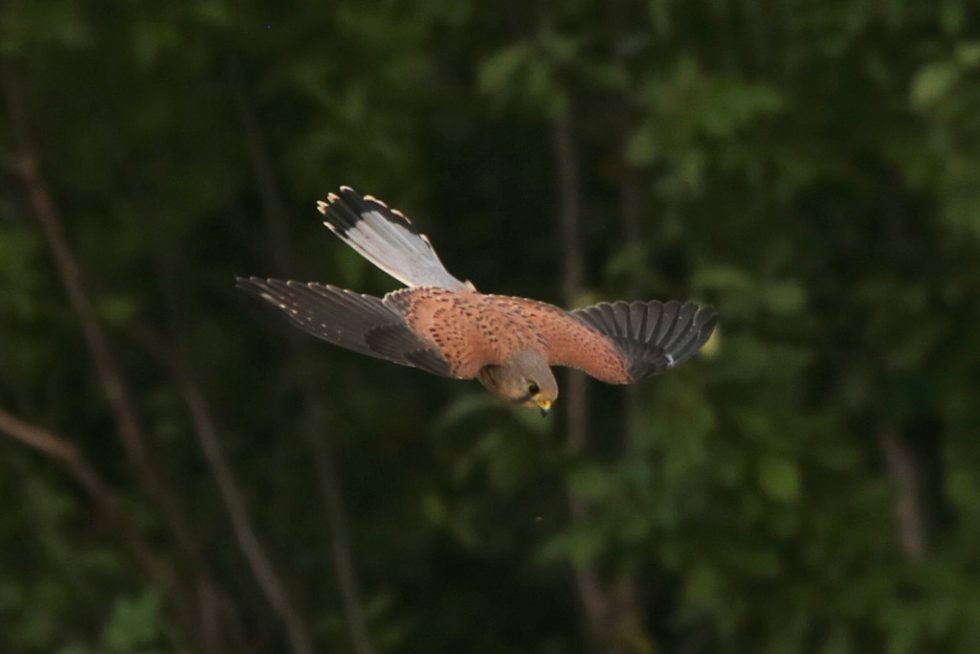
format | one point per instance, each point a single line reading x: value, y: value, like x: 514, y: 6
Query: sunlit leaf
x: 933, y: 82
x: 780, y: 479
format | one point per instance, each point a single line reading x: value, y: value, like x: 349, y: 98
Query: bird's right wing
x: 651, y: 336
x: 361, y: 323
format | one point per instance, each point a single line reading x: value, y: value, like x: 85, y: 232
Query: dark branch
x: 273, y: 208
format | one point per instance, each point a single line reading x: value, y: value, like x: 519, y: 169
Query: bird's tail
x: 386, y: 238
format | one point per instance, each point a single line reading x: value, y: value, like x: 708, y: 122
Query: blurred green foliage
x: 811, y: 168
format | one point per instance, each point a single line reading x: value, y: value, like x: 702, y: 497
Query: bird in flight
x: 443, y: 325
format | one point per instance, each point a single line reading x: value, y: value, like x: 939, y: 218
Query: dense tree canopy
x: 181, y: 472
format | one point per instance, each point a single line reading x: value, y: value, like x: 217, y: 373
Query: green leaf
x: 704, y: 586
x: 117, y: 309
x: 785, y: 298
x: 591, y: 482
x: 643, y: 146
x: 498, y: 72
x: 463, y: 408
x: 579, y: 544
x: 134, y: 623
x: 968, y: 54
x: 75, y: 648
x: 779, y: 478
x: 933, y: 82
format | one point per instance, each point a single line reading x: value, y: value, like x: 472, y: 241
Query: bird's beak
x: 544, y: 406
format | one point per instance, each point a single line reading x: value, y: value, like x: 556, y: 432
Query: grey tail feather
x: 362, y: 323
x: 386, y: 238
x: 653, y: 336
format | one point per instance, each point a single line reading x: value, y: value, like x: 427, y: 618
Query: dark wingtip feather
x: 704, y: 323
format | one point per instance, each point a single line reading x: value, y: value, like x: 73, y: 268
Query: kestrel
x: 443, y: 325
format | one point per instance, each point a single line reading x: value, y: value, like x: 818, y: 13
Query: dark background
x: 181, y: 471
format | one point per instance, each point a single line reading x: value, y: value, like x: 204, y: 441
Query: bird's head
x: 526, y: 379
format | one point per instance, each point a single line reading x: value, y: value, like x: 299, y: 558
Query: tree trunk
x: 591, y: 594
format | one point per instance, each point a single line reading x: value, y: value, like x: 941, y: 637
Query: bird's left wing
x: 362, y: 323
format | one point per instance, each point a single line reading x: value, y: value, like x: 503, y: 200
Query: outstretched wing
x: 651, y: 336
x: 386, y: 238
x: 361, y: 323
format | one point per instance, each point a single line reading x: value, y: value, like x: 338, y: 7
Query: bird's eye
x: 533, y: 389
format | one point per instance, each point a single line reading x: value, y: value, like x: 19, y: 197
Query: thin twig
x: 259, y: 562
x: 170, y: 354
x: 901, y: 464
x: 62, y: 451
